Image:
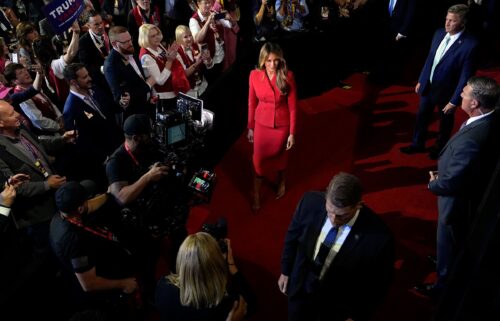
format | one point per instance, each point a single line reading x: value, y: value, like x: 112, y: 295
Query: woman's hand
x: 290, y: 142
x: 250, y: 136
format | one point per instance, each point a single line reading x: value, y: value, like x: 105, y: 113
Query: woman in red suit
x: 272, y: 105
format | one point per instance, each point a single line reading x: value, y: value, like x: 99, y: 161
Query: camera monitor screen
x: 176, y: 133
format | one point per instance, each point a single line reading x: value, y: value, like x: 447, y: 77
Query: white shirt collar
x: 475, y: 118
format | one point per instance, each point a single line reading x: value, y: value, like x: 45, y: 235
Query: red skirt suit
x: 272, y: 116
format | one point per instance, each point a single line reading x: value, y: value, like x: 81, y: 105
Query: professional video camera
x: 179, y: 135
x: 218, y: 231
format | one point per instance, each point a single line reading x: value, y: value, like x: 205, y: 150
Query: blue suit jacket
x: 97, y: 137
x: 452, y: 72
x: 361, y: 270
x: 464, y: 166
x: 122, y: 77
x: 402, y: 17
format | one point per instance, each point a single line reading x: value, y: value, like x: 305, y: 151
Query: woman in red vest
x: 191, y: 58
x: 162, y: 64
x: 141, y: 14
x: 272, y: 106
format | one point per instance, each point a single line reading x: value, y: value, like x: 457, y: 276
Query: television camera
x: 180, y: 137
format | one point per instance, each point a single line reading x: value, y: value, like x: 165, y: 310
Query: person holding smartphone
x: 207, y: 29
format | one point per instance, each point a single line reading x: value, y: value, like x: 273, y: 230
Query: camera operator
x: 132, y: 167
x: 139, y: 182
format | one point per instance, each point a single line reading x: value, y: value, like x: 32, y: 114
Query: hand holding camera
x: 156, y: 172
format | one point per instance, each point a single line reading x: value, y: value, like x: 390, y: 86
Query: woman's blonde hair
x: 179, y: 31
x: 144, y: 31
x: 202, y: 272
x: 281, y: 74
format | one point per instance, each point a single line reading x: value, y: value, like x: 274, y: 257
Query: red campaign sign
x: 62, y: 13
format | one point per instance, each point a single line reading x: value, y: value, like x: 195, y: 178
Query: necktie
x: 92, y: 103
x: 439, y: 54
x: 391, y: 6
x: 325, y: 248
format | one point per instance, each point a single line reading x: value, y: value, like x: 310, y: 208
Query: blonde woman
x: 272, y: 106
x: 199, y: 290
x: 190, y: 56
x: 162, y: 65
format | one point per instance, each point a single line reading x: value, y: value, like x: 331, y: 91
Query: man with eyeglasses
x: 125, y: 76
x: 338, y: 257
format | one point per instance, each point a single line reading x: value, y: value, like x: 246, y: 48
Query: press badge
x: 42, y: 169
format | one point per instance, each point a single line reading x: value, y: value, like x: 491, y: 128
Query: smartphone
x: 15, y: 58
x: 220, y: 15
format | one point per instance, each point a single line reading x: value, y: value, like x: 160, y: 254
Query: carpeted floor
x: 358, y: 130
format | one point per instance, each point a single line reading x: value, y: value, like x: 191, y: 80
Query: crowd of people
x: 82, y: 176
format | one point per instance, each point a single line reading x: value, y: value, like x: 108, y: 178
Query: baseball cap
x: 137, y: 124
x: 73, y: 194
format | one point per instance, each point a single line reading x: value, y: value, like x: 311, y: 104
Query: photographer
x: 207, y: 285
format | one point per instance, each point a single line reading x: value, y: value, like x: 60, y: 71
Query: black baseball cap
x: 73, y: 194
x: 137, y: 124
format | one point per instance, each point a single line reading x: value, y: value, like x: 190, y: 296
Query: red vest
x: 154, y: 18
x: 61, y: 86
x: 188, y: 62
x: 210, y: 35
x: 177, y: 82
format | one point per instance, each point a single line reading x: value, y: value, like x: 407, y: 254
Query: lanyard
x: 36, y: 156
x: 108, y: 235
x: 129, y: 152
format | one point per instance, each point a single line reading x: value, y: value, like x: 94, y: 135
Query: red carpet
x: 358, y: 130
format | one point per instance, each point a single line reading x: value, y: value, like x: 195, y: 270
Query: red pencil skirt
x: 269, y: 149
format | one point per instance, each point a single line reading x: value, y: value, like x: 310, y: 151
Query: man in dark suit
x: 464, y: 166
x: 92, y: 114
x: 21, y: 152
x: 94, y: 47
x: 125, y: 76
x: 338, y: 256
x: 448, y: 66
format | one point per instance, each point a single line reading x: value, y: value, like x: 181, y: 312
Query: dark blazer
x: 122, y: 77
x: 464, y: 166
x: 453, y: 70
x: 34, y: 203
x: 93, y: 59
x: 361, y: 270
x: 97, y: 137
x: 402, y: 17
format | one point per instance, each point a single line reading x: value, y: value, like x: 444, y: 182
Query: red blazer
x: 267, y: 105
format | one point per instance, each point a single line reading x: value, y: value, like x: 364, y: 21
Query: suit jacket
x: 402, y: 17
x: 453, y: 70
x: 92, y: 58
x: 361, y: 270
x: 267, y: 106
x: 122, y: 77
x: 464, y: 167
x: 97, y: 137
x: 34, y: 202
